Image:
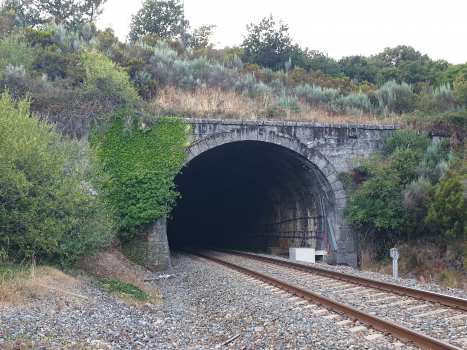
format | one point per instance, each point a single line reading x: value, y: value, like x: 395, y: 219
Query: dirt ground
x: 113, y: 265
x: 26, y: 284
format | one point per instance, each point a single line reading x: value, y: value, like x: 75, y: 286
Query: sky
x: 337, y: 27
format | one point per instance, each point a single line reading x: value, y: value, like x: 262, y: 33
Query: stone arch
x: 332, y: 196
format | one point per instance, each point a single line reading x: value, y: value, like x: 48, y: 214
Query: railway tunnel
x: 253, y: 196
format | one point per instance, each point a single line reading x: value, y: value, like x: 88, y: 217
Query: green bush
x: 377, y: 202
x: 406, y: 138
x: 103, y: 78
x: 448, y: 210
x: 51, y: 206
x: 460, y: 89
x: 391, y: 199
x: 16, y: 51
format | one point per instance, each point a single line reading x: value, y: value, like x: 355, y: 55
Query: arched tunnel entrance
x: 253, y: 196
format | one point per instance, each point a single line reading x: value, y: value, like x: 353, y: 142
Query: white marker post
x: 395, y: 256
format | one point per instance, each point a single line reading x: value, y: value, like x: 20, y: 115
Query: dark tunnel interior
x: 230, y: 193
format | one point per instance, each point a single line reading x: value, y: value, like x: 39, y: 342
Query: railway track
x: 428, y: 320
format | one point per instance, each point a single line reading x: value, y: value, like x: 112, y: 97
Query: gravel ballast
x: 204, y: 306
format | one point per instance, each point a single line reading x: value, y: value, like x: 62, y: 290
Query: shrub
x: 444, y: 96
x: 105, y: 83
x: 70, y: 41
x: 50, y: 203
x: 234, y: 63
x: 406, y: 138
x: 290, y: 103
x: 435, y: 161
x: 16, y: 52
x: 315, y: 95
x: 377, y: 203
x: 8, y: 21
x: 392, y: 97
x: 449, y: 208
x: 355, y: 101
x: 53, y: 64
x: 250, y: 87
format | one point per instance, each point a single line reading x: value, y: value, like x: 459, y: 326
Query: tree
x: 73, y: 12
x: 201, y: 36
x: 451, y: 73
x: 359, y: 68
x: 460, y: 89
x: 318, y: 61
x: 163, y: 18
x: 49, y: 208
x: 268, y: 44
x: 392, y: 57
x: 405, y: 64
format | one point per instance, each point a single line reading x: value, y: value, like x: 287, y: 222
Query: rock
x: 422, y: 279
x: 100, y: 345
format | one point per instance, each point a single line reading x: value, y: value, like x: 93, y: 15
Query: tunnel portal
x: 258, y: 184
x: 253, y: 196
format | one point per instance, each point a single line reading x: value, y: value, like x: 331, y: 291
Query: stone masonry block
x: 340, y: 194
x: 328, y: 170
x: 294, y: 144
x: 158, y: 258
x: 332, y: 178
x: 341, y: 203
x: 336, y: 186
x: 203, y: 145
x: 249, y: 134
x: 194, y: 149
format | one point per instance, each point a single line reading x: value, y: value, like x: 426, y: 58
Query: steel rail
x: 387, y: 327
x: 407, y: 291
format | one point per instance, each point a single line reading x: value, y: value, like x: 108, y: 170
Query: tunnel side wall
x: 329, y: 146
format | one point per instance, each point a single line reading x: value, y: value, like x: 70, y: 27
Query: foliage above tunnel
x: 58, y: 62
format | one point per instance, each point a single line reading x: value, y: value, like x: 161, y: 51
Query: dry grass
x: 419, y: 260
x: 21, y: 284
x: 218, y: 104
x: 368, y: 262
x: 113, y: 265
x: 453, y: 279
x: 12, y: 284
x: 18, y: 283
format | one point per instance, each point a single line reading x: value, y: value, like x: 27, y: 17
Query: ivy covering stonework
x: 141, y: 162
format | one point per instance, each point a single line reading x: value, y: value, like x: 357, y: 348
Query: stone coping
x: 280, y: 123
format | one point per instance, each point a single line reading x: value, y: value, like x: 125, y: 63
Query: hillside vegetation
x: 67, y: 85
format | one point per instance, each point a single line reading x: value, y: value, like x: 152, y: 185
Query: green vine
x: 141, y: 161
